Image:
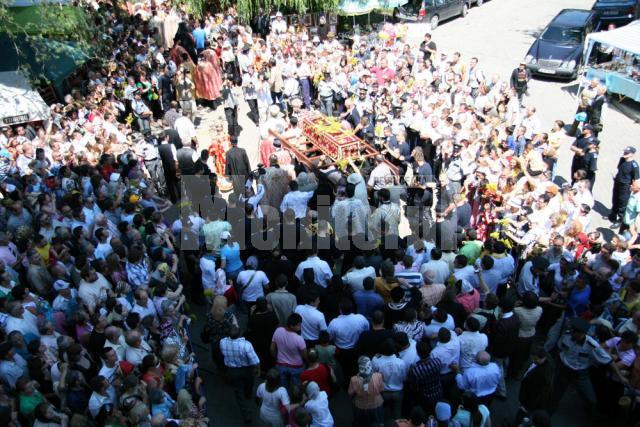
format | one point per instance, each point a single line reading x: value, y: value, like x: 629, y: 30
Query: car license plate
x: 546, y: 71
x: 610, y: 12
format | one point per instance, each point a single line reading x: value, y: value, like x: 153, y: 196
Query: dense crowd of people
x: 424, y: 282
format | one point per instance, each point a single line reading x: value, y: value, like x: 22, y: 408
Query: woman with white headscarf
x: 366, y: 390
x: 318, y: 406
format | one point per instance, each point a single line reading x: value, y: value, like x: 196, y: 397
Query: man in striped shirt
x: 243, y: 365
x: 423, y: 378
x: 409, y: 278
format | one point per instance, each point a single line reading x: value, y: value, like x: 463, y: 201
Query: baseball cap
x: 225, y: 235
x: 466, y: 287
x: 629, y: 150
x: 587, y: 127
x: 60, y: 284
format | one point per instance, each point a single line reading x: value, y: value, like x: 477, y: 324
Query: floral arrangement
x: 491, y: 192
x: 327, y: 134
x: 390, y: 32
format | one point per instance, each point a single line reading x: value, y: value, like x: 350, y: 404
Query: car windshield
x: 562, y: 35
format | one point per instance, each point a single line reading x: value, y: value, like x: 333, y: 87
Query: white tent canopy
x: 626, y: 38
x: 19, y: 102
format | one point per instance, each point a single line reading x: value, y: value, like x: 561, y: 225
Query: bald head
x: 133, y: 339
x: 483, y: 358
x: 112, y: 333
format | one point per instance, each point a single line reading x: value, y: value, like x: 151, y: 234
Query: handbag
x: 241, y: 290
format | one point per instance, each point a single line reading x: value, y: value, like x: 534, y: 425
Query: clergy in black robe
x: 237, y: 168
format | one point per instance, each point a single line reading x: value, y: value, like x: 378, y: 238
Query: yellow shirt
x: 44, y: 252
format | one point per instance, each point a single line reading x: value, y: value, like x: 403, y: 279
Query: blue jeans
x: 326, y: 105
x: 289, y: 375
x: 305, y: 84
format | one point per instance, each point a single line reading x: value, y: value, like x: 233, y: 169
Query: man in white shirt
x: 481, y: 378
x: 462, y: 270
x: 532, y: 123
x: 136, y: 349
x: 380, y: 175
x: 406, y: 349
x: 394, y: 372
x: 345, y: 329
x: 185, y: 128
x: 21, y: 320
x: 110, y: 369
x: 447, y: 350
x: 143, y: 306
x: 115, y: 340
x: 252, y: 282
x: 103, y: 249
x: 12, y: 366
x: 100, y: 396
x: 321, y: 271
x: 471, y: 342
x: 313, y: 321
x: 296, y: 200
x: 438, y: 266
x: 111, y: 128
x: 356, y: 275
x: 279, y: 25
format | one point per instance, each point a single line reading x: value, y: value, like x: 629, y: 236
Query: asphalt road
x: 499, y: 34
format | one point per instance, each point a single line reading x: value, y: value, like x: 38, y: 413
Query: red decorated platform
x: 325, y: 137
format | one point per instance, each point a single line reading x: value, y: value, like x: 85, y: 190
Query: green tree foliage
x: 248, y: 8
x: 43, y: 33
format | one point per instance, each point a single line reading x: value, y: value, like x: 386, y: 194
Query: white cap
x: 60, y: 285
x: 225, y: 235
x: 466, y: 286
x: 278, y: 14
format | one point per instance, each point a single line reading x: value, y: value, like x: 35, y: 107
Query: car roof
x: 572, y: 17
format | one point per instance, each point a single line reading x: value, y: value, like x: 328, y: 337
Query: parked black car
x: 617, y: 12
x: 432, y: 11
x: 557, y: 52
